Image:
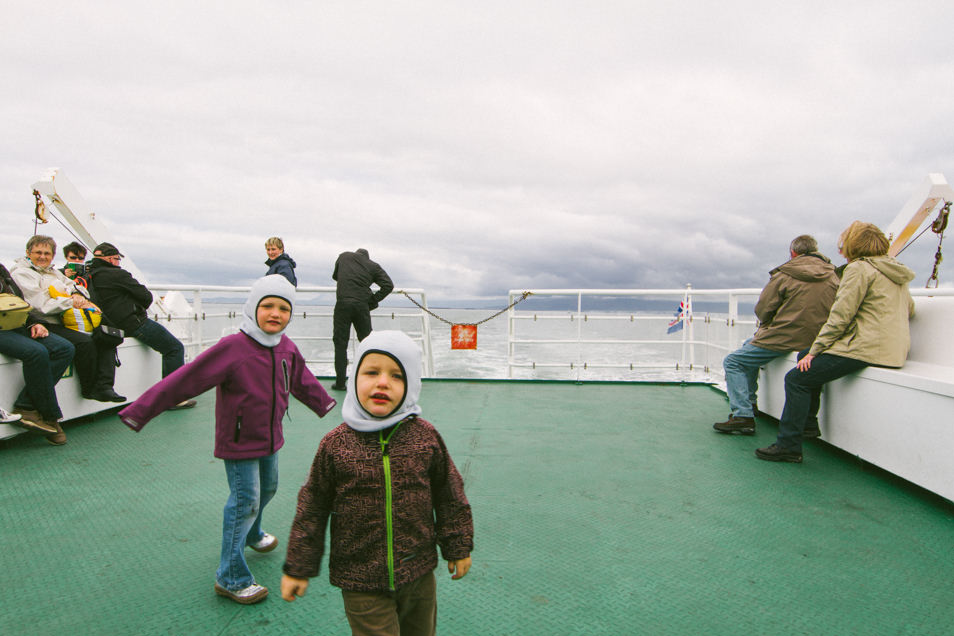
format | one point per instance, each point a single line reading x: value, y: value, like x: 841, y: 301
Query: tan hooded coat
x: 869, y: 319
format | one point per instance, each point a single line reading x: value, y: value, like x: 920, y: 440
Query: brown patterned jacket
x: 348, y: 484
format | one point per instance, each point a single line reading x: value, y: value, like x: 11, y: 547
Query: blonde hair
x: 862, y: 239
x: 277, y: 242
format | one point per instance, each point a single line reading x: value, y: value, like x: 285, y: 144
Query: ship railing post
x: 426, y: 337
x: 510, y: 336
x: 689, y: 331
x: 733, y: 319
x: 197, y: 327
x: 579, y: 335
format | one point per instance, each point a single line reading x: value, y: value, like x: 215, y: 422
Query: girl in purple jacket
x: 253, y: 373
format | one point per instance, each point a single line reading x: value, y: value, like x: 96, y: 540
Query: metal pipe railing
x: 687, y: 341
x: 190, y: 325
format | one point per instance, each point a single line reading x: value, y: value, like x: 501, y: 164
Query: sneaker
x: 58, y: 438
x: 774, y: 453
x: 251, y: 594
x: 736, y: 426
x: 267, y: 543
x: 186, y: 404
x: 32, y: 421
x: 8, y: 418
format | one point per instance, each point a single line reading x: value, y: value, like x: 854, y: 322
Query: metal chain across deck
x: 523, y: 297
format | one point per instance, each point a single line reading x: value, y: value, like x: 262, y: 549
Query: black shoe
x: 338, y: 386
x: 811, y: 433
x: 736, y: 426
x: 105, y: 395
x: 775, y: 454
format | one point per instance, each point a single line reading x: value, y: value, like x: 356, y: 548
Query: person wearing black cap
x: 124, y: 301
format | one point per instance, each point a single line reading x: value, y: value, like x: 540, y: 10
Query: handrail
x: 687, y: 339
x: 193, y: 322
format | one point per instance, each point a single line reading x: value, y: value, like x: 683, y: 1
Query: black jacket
x: 122, y: 299
x: 9, y: 286
x: 355, y: 273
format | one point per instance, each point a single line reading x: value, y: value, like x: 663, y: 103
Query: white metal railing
x: 697, y: 347
x: 199, y: 329
x: 700, y: 344
x: 595, y: 344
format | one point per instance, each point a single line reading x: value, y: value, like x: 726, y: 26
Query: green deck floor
x: 599, y: 509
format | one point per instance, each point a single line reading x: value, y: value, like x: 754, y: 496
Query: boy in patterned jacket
x: 395, y: 494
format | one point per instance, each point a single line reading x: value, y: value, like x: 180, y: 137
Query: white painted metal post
x: 579, y: 335
x: 511, y: 329
x: 426, y: 335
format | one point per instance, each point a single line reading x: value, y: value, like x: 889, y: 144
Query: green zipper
x: 389, y: 521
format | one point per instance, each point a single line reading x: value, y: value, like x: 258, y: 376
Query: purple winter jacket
x: 252, y: 383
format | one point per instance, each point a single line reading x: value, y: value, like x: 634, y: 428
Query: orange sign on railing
x: 463, y: 336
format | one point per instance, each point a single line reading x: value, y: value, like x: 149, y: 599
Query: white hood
x: 272, y: 285
x: 398, y: 346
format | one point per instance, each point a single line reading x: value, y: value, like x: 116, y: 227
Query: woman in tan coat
x: 867, y: 325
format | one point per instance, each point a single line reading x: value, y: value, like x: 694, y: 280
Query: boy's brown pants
x: 410, y: 611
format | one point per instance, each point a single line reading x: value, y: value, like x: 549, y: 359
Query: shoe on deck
x: 811, y: 433
x: 186, y: 404
x: 58, y: 437
x: 267, y: 543
x: 338, y: 386
x: 105, y: 395
x: 32, y: 421
x: 736, y: 426
x: 251, y: 594
x: 8, y: 418
x: 775, y: 454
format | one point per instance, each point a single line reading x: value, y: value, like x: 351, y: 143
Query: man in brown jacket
x: 791, y: 309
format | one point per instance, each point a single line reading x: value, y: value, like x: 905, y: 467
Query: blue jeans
x: 803, y: 395
x: 43, y: 360
x: 253, y: 483
x: 158, y: 338
x: 742, y: 376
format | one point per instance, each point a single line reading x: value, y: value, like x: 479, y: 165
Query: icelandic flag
x: 680, y: 318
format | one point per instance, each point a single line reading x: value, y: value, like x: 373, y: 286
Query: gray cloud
x: 477, y: 148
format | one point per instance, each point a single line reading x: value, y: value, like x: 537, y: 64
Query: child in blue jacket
x: 254, y: 371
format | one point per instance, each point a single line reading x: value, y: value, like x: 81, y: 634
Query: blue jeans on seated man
x: 43, y: 360
x: 742, y: 376
x: 158, y: 338
x: 253, y: 483
x: 803, y: 395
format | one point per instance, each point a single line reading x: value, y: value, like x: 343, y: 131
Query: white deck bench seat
x: 141, y: 368
x: 901, y: 420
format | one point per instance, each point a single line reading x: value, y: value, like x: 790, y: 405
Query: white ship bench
x: 901, y: 420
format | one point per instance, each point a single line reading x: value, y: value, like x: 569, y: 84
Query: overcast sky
x: 477, y: 147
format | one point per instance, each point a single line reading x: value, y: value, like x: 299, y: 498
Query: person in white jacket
x: 51, y: 294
